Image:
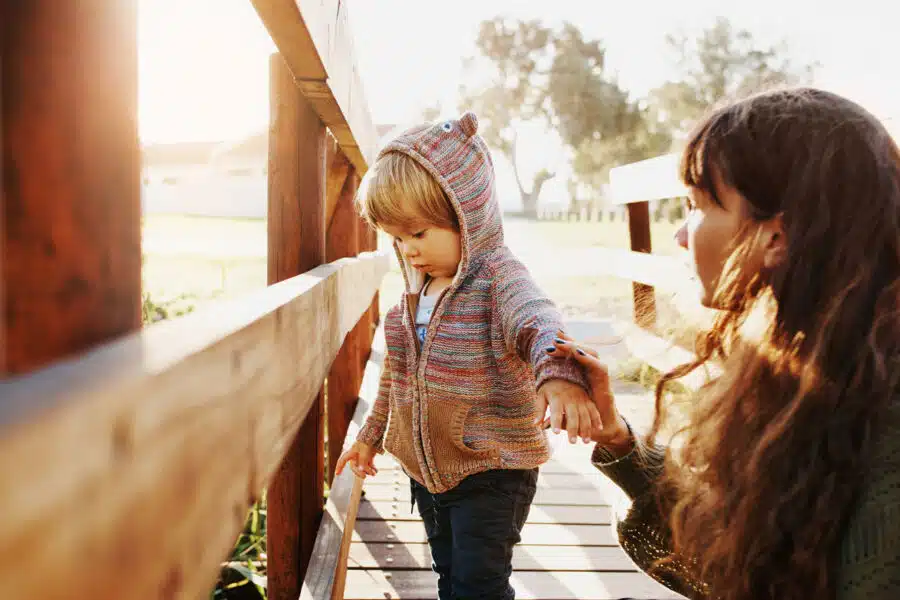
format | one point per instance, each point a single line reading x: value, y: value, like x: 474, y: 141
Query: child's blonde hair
x: 398, y: 191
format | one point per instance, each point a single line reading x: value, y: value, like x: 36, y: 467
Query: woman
x: 786, y: 479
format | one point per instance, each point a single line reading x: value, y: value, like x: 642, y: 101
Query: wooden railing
x: 635, y: 185
x: 129, y: 457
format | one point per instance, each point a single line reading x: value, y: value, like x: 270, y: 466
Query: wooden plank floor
x: 568, y: 548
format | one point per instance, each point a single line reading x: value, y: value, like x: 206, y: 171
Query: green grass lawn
x: 612, y: 234
x: 202, y: 258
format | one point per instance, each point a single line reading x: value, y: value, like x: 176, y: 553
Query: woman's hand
x: 613, y: 430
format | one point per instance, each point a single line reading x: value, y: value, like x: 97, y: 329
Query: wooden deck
x: 568, y: 548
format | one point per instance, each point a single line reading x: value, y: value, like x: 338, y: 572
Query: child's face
x: 430, y: 249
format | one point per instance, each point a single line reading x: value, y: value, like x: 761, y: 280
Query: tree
x: 511, y: 52
x: 556, y: 76
x: 634, y: 138
x: 721, y: 63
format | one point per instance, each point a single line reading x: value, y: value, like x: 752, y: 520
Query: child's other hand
x: 569, y: 402
x: 361, y: 457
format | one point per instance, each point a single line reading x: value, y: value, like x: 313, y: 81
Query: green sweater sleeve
x: 643, y: 531
x: 867, y: 565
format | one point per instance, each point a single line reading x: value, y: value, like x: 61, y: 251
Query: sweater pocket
x: 446, y: 425
x: 399, y: 439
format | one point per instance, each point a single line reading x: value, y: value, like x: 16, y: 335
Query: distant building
x: 207, y: 178
x: 228, y: 179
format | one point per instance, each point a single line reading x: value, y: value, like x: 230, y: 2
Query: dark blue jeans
x: 472, y: 530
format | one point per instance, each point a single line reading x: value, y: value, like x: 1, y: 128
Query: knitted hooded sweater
x: 463, y: 401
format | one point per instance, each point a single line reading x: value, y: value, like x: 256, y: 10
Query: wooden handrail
x: 650, y: 179
x: 168, y: 436
x: 142, y: 452
x: 635, y: 185
x: 314, y: 39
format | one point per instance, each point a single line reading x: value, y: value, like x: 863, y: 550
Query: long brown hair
x: 776, y: 450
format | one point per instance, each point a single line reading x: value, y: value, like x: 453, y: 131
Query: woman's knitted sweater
x: 867, y: 562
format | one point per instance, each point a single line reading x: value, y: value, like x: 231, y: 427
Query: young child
x: 466, y: 378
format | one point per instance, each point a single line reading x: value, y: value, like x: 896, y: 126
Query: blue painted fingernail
x: 580, y: 351
x: 550, y: 349
x: 560, y: 341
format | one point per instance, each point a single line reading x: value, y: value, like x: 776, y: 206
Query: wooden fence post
x: 639, y: 233
x: 369, y: 243
x: 296, y: 227
x: 345, y: 377
x: 70, y: 227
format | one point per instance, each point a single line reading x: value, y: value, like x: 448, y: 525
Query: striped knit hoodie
x: 464, y: 401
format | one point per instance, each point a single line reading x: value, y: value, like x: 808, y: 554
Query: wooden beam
x: 144, y: 455
x: 296, y: 230
x: 345, y: 376
x: 368, y: 241
x: 639, y: 234
x: 70, y: 249
x: 376, y: 311
x: 338, y: 170
x: 651, y: 179
x: 316, y: 42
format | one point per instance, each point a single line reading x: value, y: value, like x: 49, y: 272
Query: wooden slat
x: 651, y: 179
x: 326, y: 575
x: 70, y: 249
x: 144, y: 455
x: 296, y: 228
x: 547, y: 585
x: 316, y: 42
x: 525, y: 558
x: 556, y: 481
x: 368, y: 239
x: 385, y: 462
x: 664, y: 272
x: 543, y: 496
x: 402, y: 510
x: 532, y: 533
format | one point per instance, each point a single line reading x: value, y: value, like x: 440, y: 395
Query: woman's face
x: 709, y: 233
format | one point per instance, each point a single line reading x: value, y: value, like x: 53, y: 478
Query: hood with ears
x: 458, y: 159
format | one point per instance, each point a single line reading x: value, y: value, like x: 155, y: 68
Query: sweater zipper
x: 418, y: 375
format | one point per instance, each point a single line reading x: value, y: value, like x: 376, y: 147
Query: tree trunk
x: 529, y: 199
x: 529, y: 204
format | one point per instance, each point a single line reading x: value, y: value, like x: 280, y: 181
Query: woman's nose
x: 681, y: 237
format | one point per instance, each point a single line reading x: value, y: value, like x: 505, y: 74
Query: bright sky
x: 204, y: 74
x: 204, y: 63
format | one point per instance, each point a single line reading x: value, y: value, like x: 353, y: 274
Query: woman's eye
x: 419, y: 235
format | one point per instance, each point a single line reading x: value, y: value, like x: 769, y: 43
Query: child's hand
x: 361, y: 458
x: 569, y: 402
